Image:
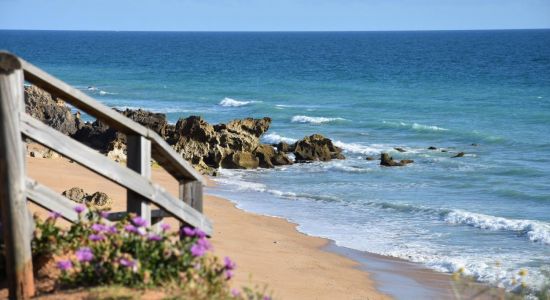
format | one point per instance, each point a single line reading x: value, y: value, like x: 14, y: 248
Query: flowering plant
x: 94, y: 251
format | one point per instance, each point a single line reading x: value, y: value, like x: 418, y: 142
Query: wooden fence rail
x: 143, y: 145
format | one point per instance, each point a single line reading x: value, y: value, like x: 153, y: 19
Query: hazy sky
x: 251, y: 15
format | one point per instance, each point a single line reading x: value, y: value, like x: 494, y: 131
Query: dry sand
x: 268, y: 251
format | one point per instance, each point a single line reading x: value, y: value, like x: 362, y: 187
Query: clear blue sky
x: 266, y: 15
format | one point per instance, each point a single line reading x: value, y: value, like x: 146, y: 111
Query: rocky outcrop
x: 235, y: 144
x: 387, y: 161
x: 316, y: 148
x: 42, y: 106
x: 399, y: 149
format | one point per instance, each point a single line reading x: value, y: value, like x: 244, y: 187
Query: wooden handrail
x: 143, y: 144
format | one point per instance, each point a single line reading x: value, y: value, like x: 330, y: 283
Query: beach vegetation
x: 94, y: 252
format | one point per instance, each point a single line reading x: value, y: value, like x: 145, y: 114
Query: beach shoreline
x: 271, y: 251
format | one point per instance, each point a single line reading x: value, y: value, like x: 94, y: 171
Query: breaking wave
x: 314, y: 120
x: 229, y: 102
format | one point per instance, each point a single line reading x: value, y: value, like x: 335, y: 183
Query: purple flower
x: 200, y: 247
x: 104, y: 214
x: 98, y: 227
x: 228, y: 274
x: 79, y: 208
x: 96, y: 237
x: 197, y: 250
x: 188, y: 231
x: 235, y: 293
x: 200, y: 233
x: 139, y: 221
x: 64, y: 265
x: 165, y: 227
x: 267, y: 298
x: 84, y: 254
x: 229, y: 264
x: 127, y: 262
x: 112, y: 229
x: 130, y: 228
x: 154, y: 237
x: 54, y: 215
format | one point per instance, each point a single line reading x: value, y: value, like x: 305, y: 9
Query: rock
x: 51, y: 154
x: 387, y: 161
x: 406, y: 161
x: 37, y: 154
x: 75, y: 194
x: 284, y: 147
x: 474, y: 145
x: 53, y: 112
x: 460, y: 154
x: 265, y: 154
x: 256, y: 127
x: 240, y: 160
x: 443, y: 150
x: 370, y: 158
x: 98, y: 135
x: 118, y: 151
x: 316, y: 147
x: 432, y: 148
x: 400, y: 149
x: 99, y: 200
x: 280, y: 159
x: 154, y: 121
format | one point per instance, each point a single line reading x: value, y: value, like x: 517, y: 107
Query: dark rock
x: 284, y: 147
x: 265, y: 154
x: 154, y: 121
x: 432, y: 148
x: 460, y: 154
x: 75, y: 194
x: 443, y: 150
x: 370, y: 158
x: 474, y: 145
x: 400, y: 149
x: 99, y: 200
x: 280, y: 159
x: 53, y: 112
x: 256, y: 127
x: 387, y: 161
x: 316, y: 147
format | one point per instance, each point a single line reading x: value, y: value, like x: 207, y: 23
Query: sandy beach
x: 268, y: 251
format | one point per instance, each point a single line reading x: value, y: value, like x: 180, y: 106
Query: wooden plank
x: 111, y: 170
x: 14, y: 211
x: 191, y: 193
x: 155, y: 214
x: 164, y: 154
x: 139, y: 160
x: 52, y: 201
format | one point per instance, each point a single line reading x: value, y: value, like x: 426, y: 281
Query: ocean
x: 484, y: 93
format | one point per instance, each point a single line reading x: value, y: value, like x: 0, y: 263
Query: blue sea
x: 485, y: 93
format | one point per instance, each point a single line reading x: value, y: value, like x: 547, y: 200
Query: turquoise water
x: 487, y: 213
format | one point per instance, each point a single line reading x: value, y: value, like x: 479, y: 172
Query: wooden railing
x: 143, y: 144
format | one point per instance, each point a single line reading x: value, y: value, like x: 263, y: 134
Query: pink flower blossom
x: 235, y: 293
x: 79, y: 208
x: 84, y: 254
x: 96, y: 237
x: 165, y: 227
x: 139, y: 221
x: 98, y: 227
x: 188, y: 231
x: 104, y: 214
x: 229, y: 264
x: 64, y: 265
x: 130, y: 228
x: 154, y: 237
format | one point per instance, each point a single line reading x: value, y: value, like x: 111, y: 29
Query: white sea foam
x: 229, y: 102
x: 536, y: 231
x: 416, y: 126
x: 274, y: 138
x: 362, y: 149
x: 314, y: 120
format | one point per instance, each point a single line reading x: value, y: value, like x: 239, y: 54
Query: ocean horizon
x: 485, y: 93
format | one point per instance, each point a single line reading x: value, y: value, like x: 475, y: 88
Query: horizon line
x: 276, y: 31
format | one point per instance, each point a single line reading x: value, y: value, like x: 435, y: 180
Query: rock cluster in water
x: 234, y: 145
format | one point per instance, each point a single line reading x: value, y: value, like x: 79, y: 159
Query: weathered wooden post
x: 15, y: 221
x: 190, y: 191
x: 139, y: 160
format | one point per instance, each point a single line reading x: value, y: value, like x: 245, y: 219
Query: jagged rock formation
x: 97, y: 200
x: 208, y: 147
x: 387, y: 161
